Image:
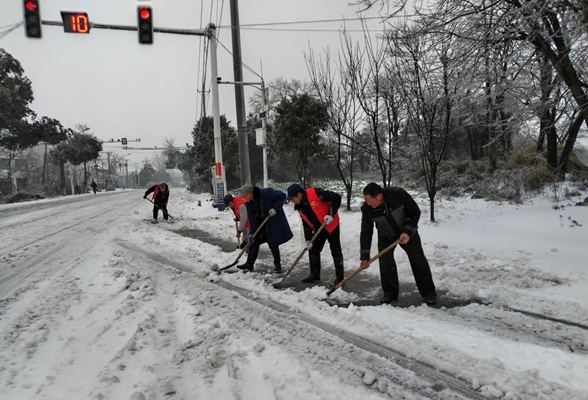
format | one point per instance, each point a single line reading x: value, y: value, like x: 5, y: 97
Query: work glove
x: 251, y: 239
x: 145, y: 196
x: 235, y: 219
x: 328, y: 219
x: 271, y: 212
x: 308, y: 246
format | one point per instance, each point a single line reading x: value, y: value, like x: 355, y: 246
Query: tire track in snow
x: 13, y: 277
x: 436, y: 379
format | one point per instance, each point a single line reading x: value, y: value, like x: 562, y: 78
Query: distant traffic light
x: 145, y: 24
x: 32, y: 18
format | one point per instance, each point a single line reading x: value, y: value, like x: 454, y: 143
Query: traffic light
x: 145, y: 22
x: 32, y: 18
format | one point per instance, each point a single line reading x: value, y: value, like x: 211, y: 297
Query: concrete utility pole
x: 240, y: 95
x: 264, y: 110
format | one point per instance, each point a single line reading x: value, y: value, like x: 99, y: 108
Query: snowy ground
x: 97, y: 303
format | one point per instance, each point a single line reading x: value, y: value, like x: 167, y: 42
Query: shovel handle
x: 248, y: 244
x: 165, y: 212
x: 302, y: 252
x: 357, y: 271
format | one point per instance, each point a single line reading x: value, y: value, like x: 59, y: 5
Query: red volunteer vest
x: 238, y: 201
x: 320, y: 209
x: 156, y: 191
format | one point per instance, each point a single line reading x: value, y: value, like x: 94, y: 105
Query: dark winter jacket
x: 398, y: 214
x: 159, y: 197
x: 277, y: 228
x: 304, y: 207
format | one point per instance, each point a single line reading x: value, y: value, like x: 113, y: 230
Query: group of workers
x: 392, y: 210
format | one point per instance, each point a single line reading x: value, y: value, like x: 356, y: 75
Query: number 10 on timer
x: 75, y: 22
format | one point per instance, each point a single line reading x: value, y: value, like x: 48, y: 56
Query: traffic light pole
x: 218, y: 151
x: 192, y: 32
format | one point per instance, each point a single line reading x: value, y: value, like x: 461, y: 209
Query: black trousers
x: 254, y: 249
x: 418, y: 263
x: 156, y: 211
x: 334, y: 239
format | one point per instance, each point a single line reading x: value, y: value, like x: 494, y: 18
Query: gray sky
x: 122, y: 89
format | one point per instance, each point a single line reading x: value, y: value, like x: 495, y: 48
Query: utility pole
x: 264, y: 127
x: 240, y: 95
x: 71, y: 179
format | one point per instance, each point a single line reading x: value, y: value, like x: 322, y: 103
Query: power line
x: 245, y: 65
x: 5, y: 33
x: 10, y: 25
x: 304, y: 30
x: 326, y: 20
x: 199, y: 55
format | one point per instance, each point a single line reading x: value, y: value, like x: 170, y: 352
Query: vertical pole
x: 71, y: 179
x: 127, y: 175
x: 263, y: 125
x: 218, y: 151
x: 240, y: 95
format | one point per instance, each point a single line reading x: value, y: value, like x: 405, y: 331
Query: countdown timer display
x: 75, y: 22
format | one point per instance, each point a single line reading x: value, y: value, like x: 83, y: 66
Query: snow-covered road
x: 97, y: 303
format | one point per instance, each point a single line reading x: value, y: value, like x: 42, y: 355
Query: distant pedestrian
x: 263, y: 203
x: 94, y: 186
x: 237, y: 205
x: 396, y: 216
x: 316, y: 206
x: 160, y: 199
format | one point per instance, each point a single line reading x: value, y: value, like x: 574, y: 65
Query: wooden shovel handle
x: 357, y: 271
x: 302, y: 252
x: 248, y: 244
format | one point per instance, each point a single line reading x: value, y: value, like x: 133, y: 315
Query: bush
x: 526, y: 158
x: 536, y: 177
x: 19, y: 197
x: 464, y: 167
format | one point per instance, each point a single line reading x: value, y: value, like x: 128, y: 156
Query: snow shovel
x: 357, y: 271
x: 247, y: 246
x: 301, y: 254
x: 165, y: 212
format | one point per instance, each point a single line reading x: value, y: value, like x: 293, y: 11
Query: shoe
x: 430, y: 300
x: 311, y: 279
x: 154, y: 221
x: 388, y: 299
x: 278, y: 269
x: 245, y: 267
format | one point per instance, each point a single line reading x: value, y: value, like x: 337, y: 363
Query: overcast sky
x: 122, y: 89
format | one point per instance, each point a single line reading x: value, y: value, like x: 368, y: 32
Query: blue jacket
x: 277, y: 228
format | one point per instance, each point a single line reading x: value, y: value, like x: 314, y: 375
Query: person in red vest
x: 237, y: 204
x: 160, y: 199
x: 315, y: 207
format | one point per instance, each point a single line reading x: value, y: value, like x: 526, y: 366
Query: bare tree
x: 365, y: 65
x: 333, y: 87
x: 423, y: 65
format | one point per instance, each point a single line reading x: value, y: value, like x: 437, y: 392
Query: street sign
x: 75, y: 22
x: 124, y: 141
x: 260, y: 136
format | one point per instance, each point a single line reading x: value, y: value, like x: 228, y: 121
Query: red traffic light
x: 32, y: 18
x: 145, y: 24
